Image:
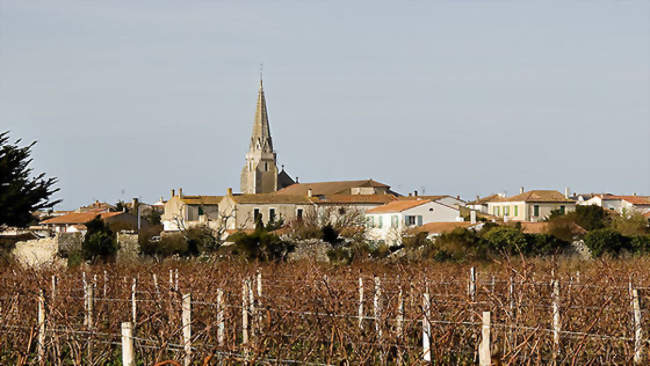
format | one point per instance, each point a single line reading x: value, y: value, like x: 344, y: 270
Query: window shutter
x: 419, y: 220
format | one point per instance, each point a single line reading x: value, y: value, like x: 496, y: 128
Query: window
x: 380, y: 224
x: 257, y: 215
x: 393, y: 221
x: 496, y: 211
x: 516, y: 209
x: 341, y: 211
x: 266, y: 166
x: 409, y: 220
x: 536, y: 210
x: 506, y: 210
x: 371, y: 221
x: 562, y: 210
x: 200, y: 210
x: 419, y: 220
x: 271, y: 215
x: 299, y: 214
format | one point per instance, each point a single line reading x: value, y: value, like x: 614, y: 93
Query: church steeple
x: 261, y: 136
x: 260, y: 172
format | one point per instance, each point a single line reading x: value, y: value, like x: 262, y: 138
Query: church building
x: 260, y: 172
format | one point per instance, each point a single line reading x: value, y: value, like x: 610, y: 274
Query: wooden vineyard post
x: 251, y: 305
x: 360, y: 302
x: 638, y: 330
x: 259, y: 301
x: 176, y: 280
x: 105, y: 292
x: 85, y: 289
x: 128, y: 351
x: 53, y: 295
x: 244, y: 313
x: 89, y: 301
x: 155, y: 285
x: 484, y: 352
x: 186, y: 317
x: 171, y: 281
x: 400, y: 313
x: 134, y: 305
x: 40, y: 347
x: 426, y: 328
x: 556, y: 319
x: 220, y: 318
x: 471, y: 289
x: 377, y: 306
x: 492, y: 285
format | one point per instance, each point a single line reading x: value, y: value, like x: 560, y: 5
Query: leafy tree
x: 603, y: 241
x: 506, y: 239
x: 590, y: 217
x: 21, y: 194
x: 630, y: 224
x: 260, y: 245
x: 99, y: 242
x: 330, y: 235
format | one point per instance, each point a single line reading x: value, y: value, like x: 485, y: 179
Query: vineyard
x: 224, y: 313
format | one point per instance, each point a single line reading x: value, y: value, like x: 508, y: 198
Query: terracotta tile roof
x: 635, y: 200
x: 432, y: 198
x: 441, y: 227
x: 270, y: 198
x: 79, y: 218
x: 328, y: 188
x: 536, y: 196
x: 484, y: 200
x: 534, y: 227
x: 356, y: 198
x: 397, y: 206
x: 201, y: 200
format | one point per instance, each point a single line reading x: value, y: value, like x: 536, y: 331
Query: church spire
x: 261, y: 137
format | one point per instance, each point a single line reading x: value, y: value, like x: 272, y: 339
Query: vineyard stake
x: 556, y: 319
x: 472, y: 283
x: 134, y: 306
x: 377, y: 306
x: 400, y: 313
x: 484, y: 353
x: 128, y: 353
x: 251, y: 305
x: 176, y: 283
x: 638, y: 331
x: 53, y: 295
x: 426, y: 328
x: 105, y: 283
x: 155, y: 285
x: 85, y: 288
x: 493, y: 284
x: 259, y: 300
x: 90, y: 300
x: 360, y: 302
x: 244, y: 313
x: 187, y: 328
x: 41, y: 327
x: 220, y: 324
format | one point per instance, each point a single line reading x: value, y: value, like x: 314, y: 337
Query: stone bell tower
x: 260, y: 172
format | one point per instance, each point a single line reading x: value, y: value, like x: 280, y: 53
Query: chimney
x: 173, y: 193
x: 472, y: 217
x: 309, y: 192
x: 229, y: 192
x: 415, y: 193
x: 521, y: 190
x: 566, y: 192
x: 134, y: 203
x: 410, y: 194
x: 296, y: 179
x: 478, y: 197
x: 180, y: 192
x: 634, y: 194
x: 458, y: 197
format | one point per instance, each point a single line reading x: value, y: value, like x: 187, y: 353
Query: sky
x: 131, y: 99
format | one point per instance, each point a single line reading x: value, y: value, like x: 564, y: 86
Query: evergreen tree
x: 20, y: 193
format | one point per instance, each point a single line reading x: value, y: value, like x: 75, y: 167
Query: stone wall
x: 39, y: 252
x: 69, y: 242
x: 313, y: 250
x: 129, y: 248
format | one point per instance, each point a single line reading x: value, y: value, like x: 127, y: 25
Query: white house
x: 619, y: 203
x: 387, y: 223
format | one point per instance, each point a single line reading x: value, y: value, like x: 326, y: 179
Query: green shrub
x: 544, y: 245
x: 260, y: 245
x: 329, y: 234
x: 99, y: 242
x: 640, y: 244
x: 603, y: 241
x: 459, y: 245
x: 418, y: 240
x: 506, y: 240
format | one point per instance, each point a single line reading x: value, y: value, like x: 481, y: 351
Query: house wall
x: 391, y: 231
x: 526, y: 210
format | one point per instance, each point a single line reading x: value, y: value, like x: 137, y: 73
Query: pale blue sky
x: 462, y: 97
